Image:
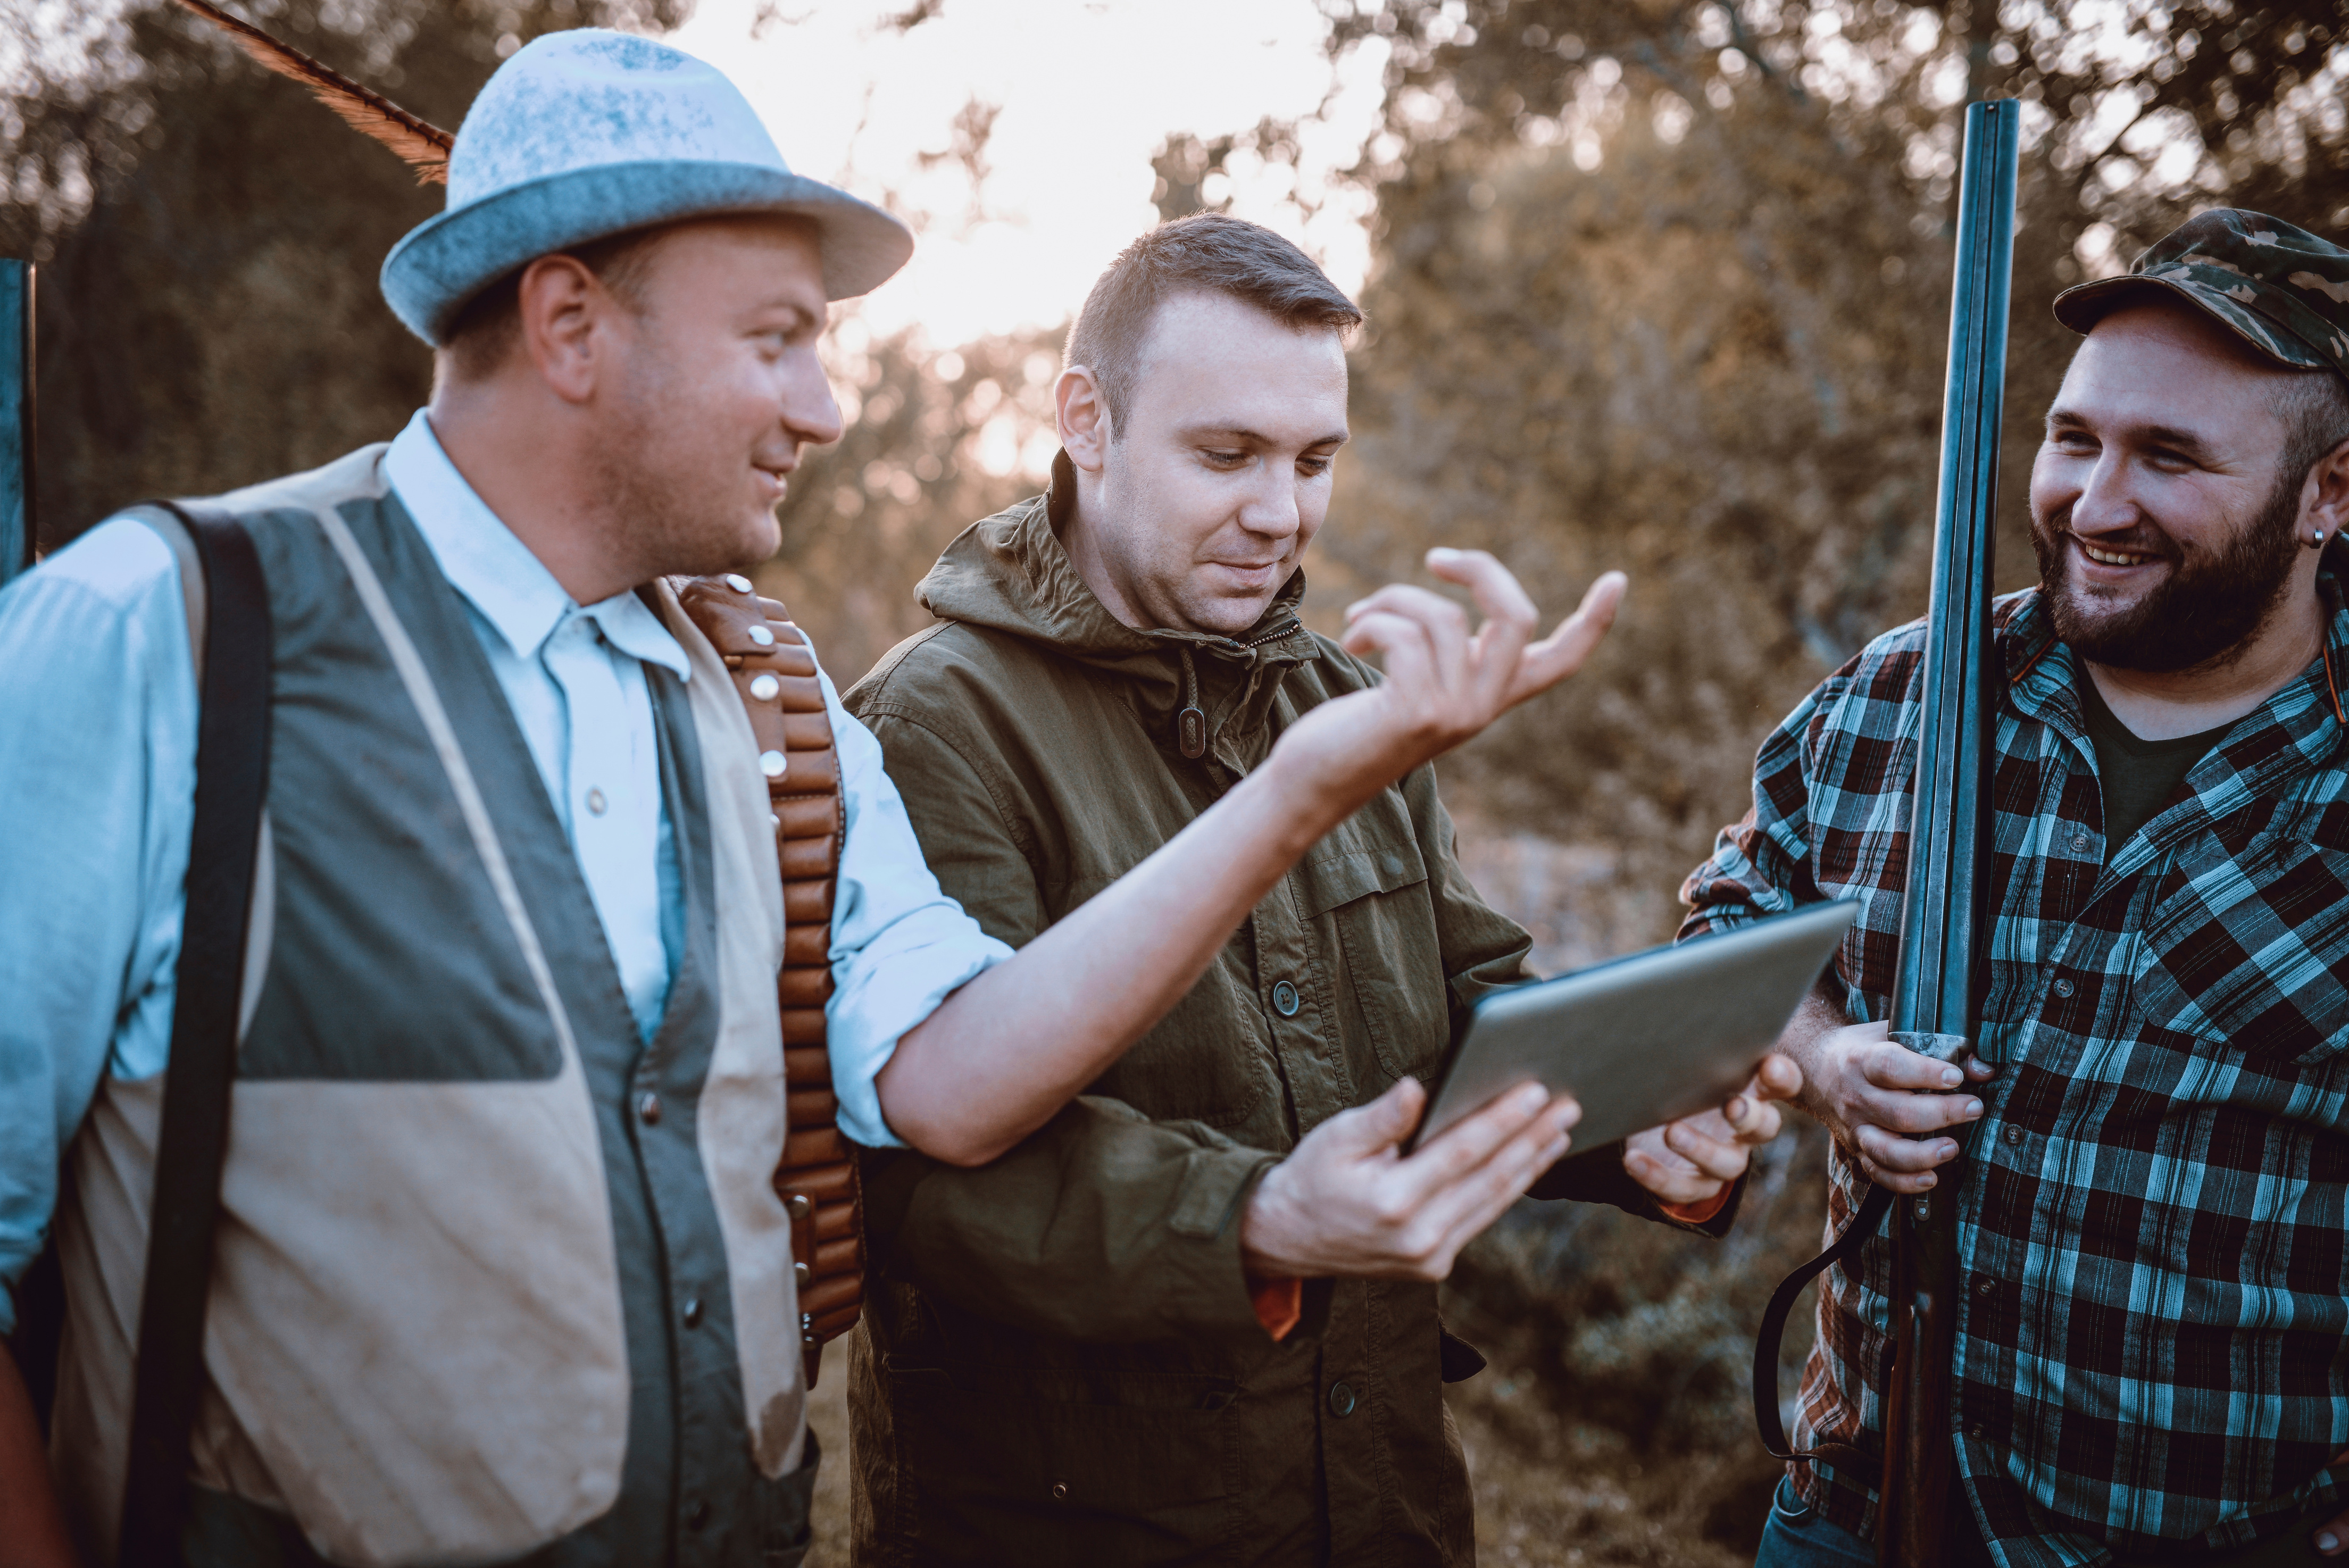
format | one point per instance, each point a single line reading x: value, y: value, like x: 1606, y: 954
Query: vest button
x: 1284, y: 999
x: 765, y: 687
x: 692, y: 1314
x: 697, y: 1513
x: 648, y: 1109
x: 1341, y: 1399
x: 762, y: 637
x: 799, y: 1205
x: 736, y: 580
x: 1060, y: 1491
x: 801, y: 1276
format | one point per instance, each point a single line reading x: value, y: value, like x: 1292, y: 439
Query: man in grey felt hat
x: 500, y: 1273
x: 2152, y: 1358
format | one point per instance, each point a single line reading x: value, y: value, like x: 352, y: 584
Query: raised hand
x: 1445, y: 681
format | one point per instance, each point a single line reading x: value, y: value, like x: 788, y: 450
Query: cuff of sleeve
x: 1596, y: 1176
x: 1280, y: 1304
x: 1701, y: 1213
x: 866, y: 1017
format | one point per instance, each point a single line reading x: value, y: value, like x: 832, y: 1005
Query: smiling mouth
x: 2104, y: 557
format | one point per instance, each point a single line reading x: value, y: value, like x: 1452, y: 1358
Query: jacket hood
x: 1010, y: 574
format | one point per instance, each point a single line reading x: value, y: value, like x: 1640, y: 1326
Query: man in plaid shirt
x: 2153, y: 1339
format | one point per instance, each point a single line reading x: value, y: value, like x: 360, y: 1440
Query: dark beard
x: 2205, y: 611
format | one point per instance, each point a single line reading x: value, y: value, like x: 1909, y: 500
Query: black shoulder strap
x: 232, y: 777
x: 1859, y: 1464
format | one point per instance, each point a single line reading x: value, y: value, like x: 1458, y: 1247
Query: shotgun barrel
x: 1937, y: 999
x: 16, y: 528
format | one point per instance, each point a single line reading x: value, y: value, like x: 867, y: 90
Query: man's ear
x: 1082, y: 416
x: 2324, y: 498
x: 562, y: 305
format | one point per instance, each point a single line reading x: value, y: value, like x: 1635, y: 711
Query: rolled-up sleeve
x: 1760, y: 866
x: 899, y: 945
x: 98, y: 732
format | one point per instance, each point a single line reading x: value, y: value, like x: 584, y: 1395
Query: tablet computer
x: 1646, y: 1039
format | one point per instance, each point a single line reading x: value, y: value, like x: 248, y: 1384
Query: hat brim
x: 2082, y: 305
x: 446, y: 260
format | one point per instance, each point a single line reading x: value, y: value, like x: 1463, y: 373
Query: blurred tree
x: 1664, y: 287
x: 208, y: 235
x: 935, y: 441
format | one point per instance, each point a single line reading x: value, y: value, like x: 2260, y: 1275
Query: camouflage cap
x: 2280, y: 289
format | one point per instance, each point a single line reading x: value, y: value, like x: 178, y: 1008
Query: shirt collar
x: 496, y: 571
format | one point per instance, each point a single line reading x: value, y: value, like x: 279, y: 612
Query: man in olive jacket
x: 1097, y: 1348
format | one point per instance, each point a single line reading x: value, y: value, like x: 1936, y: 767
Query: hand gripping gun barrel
x: 1947, y: 898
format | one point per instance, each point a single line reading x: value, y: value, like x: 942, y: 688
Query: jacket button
x: 697, y: 1513
x: 1341, y: 1399
x: 648, y: 1109
x: 692, y: 1313
x: 1060, y: 1491
x: 1284, y: 999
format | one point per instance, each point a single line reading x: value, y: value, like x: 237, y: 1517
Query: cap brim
x: 446, y: 260
x: 2082, y: 305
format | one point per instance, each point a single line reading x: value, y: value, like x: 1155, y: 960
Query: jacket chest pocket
x: 1364, y: 897
x: 2249, y: 949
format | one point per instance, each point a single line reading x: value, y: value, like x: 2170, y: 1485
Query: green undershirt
x: 2138, y: 776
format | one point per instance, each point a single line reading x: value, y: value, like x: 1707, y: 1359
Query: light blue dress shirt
x: 97, y: 740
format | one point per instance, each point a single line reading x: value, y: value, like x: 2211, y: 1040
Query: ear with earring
x: 2316, y: 538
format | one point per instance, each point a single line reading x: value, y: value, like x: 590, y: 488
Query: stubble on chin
x: 671, y: 503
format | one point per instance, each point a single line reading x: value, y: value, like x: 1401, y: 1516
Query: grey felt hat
x: 587, y: 133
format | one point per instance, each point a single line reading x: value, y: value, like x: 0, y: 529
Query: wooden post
x: 16, y: 522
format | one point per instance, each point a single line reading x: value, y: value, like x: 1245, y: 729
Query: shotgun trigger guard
x: 1954, y: 1049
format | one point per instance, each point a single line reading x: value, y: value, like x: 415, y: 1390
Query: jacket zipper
x: 1190, y: 724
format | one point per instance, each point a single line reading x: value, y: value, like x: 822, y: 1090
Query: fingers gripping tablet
x: 1645, y: 1039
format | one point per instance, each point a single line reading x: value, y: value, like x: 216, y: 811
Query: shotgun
x: 1937, y: 997
x: 1935, y: 1003
x: 16, y: 527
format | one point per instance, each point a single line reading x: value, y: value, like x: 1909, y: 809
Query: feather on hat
x: 579, y: 135
x: 423, y: 144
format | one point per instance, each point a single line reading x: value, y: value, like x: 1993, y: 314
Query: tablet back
x: 1644, y: 1039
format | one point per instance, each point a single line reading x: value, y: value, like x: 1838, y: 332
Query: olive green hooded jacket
x: 1060, y: 1361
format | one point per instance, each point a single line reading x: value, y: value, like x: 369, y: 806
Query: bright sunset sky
x: 1088, y: 91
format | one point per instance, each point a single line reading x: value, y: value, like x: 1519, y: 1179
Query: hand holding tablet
x: 1643, y: 1040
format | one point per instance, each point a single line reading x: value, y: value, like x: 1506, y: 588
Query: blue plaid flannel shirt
x: 2153, y: 1346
